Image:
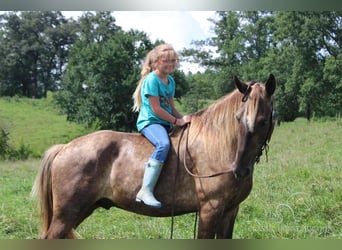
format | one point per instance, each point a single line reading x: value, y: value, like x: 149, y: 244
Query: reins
x: 186, y: 167
x: 174, y: 184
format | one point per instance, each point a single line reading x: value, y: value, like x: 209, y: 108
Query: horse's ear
x: 242, y: 87
x: 270, y: 85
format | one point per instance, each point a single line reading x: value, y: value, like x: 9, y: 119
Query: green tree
x: 102, y: 73
x: 99, y: 82
x: 333, y: 85
x: 200, y: 91
x: 312, y: 37
x: 299, y: 48
x: 33, y: 51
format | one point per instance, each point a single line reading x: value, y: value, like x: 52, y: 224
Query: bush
x: 4, y: 147
x: 9, y: 153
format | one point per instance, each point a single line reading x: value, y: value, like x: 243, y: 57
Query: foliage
x: 101, y: 75
x: 200, y: 91
x: 7, y: 152
x: 33, y: 51
x: 302, y: 49
x: 4, y: 147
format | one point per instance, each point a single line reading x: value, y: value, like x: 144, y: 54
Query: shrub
x: 9, y: 153
x: 4, y: 147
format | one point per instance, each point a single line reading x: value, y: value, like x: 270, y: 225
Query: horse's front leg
x: 208, y: 220
x: 226, y: 224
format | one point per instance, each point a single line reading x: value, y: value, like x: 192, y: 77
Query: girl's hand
x: 184, y: 120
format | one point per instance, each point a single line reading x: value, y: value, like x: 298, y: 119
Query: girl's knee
x: 164, y: 145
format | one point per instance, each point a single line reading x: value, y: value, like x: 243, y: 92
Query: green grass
x: 35, y: 124
x: 18, y: 218
x: 297, y: 194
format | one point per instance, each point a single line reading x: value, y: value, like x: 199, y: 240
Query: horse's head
x: 255, y: 124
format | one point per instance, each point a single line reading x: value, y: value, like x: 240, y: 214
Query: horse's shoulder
x: 175, y: 131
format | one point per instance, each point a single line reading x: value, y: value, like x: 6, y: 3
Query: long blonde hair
x: 150, y: 64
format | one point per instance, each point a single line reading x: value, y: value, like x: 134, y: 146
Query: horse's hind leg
x: 61, y: 227
x: 226, y: 224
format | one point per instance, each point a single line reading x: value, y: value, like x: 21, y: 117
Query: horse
x: 209, y: 168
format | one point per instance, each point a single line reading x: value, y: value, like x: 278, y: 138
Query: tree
x: 313, y: 35
x: 333, y: 85
x: 299, y: 48
x: 103, y: 69
x: 200, y: 91
x: 34, y: 50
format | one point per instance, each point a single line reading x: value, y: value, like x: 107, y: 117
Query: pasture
x: 35, y: 124
x: 297, y: 194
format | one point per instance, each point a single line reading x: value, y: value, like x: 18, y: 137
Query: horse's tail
x: 42, y: 190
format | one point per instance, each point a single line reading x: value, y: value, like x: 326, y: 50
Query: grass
x: 35, y: 124
x: 297, y: 194
x: 18, y: 218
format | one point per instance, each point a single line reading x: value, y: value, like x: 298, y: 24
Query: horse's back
x: 86, y: 163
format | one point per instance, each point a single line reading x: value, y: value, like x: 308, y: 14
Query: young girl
x: 153, y: 98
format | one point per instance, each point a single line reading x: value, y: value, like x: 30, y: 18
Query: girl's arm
x: 182, y: 119
x: 176, y: 118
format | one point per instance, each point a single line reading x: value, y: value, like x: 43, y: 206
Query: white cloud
x: 202, y: 18
x: 176, y: 27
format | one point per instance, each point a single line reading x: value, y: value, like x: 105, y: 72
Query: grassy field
x: 35, y: 124
x: 297, y: 194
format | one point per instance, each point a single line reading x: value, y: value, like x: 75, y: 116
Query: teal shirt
x: 153, y: 86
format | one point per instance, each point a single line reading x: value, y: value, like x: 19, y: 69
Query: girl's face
x: 167, y: 63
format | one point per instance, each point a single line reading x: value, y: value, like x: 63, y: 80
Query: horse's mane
x: 216, y: 126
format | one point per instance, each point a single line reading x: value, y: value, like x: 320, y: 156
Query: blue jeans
x: 159, y: 137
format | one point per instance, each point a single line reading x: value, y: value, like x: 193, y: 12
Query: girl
x: 153, y: 98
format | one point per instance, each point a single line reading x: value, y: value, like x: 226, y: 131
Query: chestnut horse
x: 105, y: 168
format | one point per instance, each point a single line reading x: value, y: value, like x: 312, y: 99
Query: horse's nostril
x: 242, y: 173
x: 237, y: 175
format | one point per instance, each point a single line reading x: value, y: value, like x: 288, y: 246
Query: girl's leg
x: 158, y: 136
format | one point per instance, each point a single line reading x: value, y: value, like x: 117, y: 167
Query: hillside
x: 35, y: 124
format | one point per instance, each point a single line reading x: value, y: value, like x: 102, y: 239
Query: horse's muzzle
x: 241, y: 172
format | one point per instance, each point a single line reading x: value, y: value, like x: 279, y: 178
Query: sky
x: 178, y: 28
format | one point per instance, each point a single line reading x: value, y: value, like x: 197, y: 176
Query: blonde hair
x: 150, y: 64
